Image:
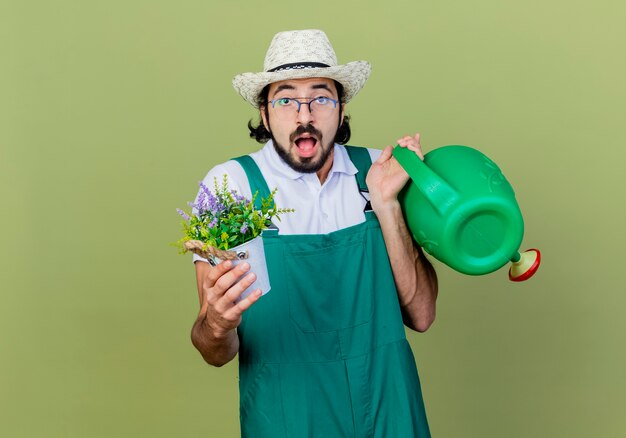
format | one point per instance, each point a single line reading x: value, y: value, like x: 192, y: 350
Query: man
x: 324, y: 352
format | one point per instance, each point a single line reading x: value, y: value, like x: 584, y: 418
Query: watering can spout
x: 435, y: 189
x: 524, y: 265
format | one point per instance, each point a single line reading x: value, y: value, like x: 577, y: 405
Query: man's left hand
x: 386, y: 177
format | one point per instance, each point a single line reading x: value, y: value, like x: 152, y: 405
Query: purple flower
x: 237, y: 197
x: 244, y: 228
x: 213, y: 223
x: 183, y: 214
x: 204, y: 188
x: 200, y: 202
x: 214, y: 206
x: 207, y: 201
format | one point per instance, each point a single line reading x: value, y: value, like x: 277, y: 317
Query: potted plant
x: 224, y: 225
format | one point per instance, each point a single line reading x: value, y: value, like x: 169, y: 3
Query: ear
x: 264, y: 117
x: 343, y: 107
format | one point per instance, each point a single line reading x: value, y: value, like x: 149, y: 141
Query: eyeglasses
x: 287, y: 107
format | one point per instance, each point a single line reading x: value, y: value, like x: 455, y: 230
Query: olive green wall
x: 110, y: 112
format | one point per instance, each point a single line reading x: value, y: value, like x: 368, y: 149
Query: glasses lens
x: 287, y: 108
x: 323, y: 105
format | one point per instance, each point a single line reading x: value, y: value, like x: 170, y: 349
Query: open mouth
x: 306, y: 145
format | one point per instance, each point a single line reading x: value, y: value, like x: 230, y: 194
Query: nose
x: 304, y: 114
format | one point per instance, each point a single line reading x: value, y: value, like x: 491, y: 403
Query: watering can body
x: 461, y: 209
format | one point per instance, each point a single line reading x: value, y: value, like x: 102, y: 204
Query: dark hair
x: 262, y: 135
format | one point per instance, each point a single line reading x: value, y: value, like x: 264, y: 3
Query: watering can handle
x: 438, y: 192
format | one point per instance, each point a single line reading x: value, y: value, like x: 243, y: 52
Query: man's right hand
x: 213, y: 333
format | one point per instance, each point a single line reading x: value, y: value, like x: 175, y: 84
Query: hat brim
x: 351, y: 75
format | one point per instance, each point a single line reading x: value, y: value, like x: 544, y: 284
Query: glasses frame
x: 310, y: 101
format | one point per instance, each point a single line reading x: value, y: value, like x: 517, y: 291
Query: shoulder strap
x: 360, y: 157
x: 255, y: 178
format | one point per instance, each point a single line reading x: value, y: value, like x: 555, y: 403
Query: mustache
x: 308, y: 129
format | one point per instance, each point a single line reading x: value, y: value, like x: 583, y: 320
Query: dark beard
x: 308, y: 164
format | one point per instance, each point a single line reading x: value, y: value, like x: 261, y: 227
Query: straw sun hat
x: 301, y: 54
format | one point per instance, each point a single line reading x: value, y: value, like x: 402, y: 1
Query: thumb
x: 205, y: 305
x: 386, y: 154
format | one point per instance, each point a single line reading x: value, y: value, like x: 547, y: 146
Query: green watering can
x: 461, y: 210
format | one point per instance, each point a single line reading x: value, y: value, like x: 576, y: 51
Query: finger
x: 405, y: 138
x: 205, y: 305
x: 216, y: 272
x: 410, y: 138
x: 237, y: 310
x: 418, y: 147
x: 386, y: 154
x: 237, y: 289
x: 413, y: 146
x: 211, y: 293
x: 227, y: 280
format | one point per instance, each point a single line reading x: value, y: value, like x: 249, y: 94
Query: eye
x: 322, y: 100
x: 283, y: 102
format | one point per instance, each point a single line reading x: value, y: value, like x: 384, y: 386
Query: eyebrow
x: 284, y: 87
x: 322, y: 87
x: 291, y: 87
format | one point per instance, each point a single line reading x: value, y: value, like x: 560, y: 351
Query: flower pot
x: 253, y: 253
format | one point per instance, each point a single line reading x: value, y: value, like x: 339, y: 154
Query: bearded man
x: 324, y: 353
